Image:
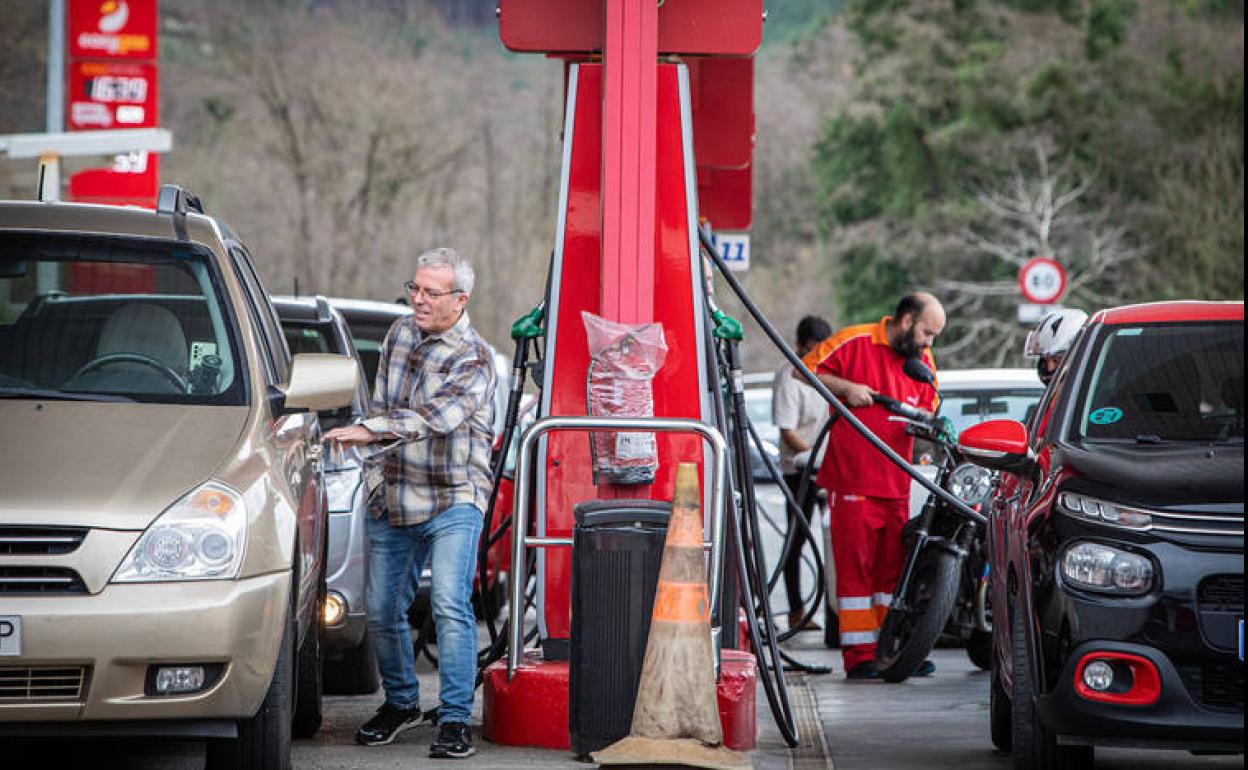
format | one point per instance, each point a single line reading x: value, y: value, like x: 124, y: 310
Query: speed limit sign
x: 1042, y: 280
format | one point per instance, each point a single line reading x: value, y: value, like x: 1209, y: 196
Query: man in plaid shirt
x: 434, y: 393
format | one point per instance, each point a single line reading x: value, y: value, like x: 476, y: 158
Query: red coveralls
x: 869, y: 496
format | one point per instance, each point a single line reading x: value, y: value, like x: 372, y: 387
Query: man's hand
x: 856, y: 394
x: 351, y: 434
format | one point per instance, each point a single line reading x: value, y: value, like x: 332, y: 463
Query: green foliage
x: 952, y: 100
x: 1108, y: 22
x: 870, y: 284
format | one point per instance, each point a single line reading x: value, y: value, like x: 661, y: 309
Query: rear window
x: 1165, y: 382
x: 971, y: 407
x: 114, y: 319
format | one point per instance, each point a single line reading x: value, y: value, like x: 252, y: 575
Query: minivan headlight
x: 1098, y: 567
x: 200, y: 537
x: 1085, y: 507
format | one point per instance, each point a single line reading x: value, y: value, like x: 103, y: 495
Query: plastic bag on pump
x: 623, y: 360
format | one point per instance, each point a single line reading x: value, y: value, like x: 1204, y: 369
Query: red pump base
x: 532, y: 709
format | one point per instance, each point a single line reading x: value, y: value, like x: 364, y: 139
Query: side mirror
x: 320, y: 381
x: 998, y: 444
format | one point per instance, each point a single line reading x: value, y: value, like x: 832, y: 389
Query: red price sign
x: 111, y: 95
x: 112, y: 29
x: 1042, y: 280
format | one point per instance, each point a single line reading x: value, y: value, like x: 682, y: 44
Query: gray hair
x: 447, y: 257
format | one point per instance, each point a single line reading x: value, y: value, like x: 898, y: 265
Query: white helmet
x: 1055, y: 333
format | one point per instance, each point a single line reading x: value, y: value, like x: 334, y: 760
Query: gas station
x: 640, y: 416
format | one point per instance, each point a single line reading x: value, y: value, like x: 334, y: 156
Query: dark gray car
x: 311, y: 325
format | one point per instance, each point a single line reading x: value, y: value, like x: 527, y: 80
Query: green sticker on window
x: 1105, y: 416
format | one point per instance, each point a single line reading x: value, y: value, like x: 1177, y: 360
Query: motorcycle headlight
x: 340, y: 486
x: 971, y: 484
x: 1098, y: 567
x: 200, y: 537
x: 1085, y: 507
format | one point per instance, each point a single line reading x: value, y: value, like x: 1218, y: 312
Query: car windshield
x: 113, y: 320
x: 1166, y: 382
x: 970, y: 407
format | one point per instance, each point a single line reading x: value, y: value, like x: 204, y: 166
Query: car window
x: 306, y: 338
x: 1165, y: 382
x: 270, y: 328
x: 112, y: 318
x: 369, y: 334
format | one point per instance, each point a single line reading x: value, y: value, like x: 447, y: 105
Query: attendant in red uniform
x: 868, y: 494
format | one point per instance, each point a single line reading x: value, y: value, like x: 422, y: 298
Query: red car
x: 1116, y: 542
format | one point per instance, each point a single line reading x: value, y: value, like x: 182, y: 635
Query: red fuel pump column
x: 626, y: 249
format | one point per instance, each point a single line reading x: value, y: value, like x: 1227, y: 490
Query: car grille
x: 1216, y: 685
x: 1221, y: 593
x: 40, y: 580
x: 1198, y: 523
x: 21, y: 684
x: 46, y: 541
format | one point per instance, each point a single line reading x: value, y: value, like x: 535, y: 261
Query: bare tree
x: 1037, y: 212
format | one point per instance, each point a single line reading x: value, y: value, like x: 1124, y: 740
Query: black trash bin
x: 616, y: 552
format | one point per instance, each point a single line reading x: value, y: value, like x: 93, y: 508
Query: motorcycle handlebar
x: 901, y: 408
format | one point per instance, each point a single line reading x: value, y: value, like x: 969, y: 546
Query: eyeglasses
x: 418, y: 291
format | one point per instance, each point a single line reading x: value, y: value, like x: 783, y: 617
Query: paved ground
x: 941, y: 722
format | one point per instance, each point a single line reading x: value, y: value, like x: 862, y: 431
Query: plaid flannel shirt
x: 436, y: 393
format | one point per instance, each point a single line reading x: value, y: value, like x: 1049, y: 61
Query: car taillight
x: 1117, y: 677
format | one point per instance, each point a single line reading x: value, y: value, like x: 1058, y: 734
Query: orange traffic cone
x: 676, y: 716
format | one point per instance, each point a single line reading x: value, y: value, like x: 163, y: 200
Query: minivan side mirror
x: 1000, y: 445
x: 320, y: 381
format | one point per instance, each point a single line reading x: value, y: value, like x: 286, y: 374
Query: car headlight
x: 1085, y: 507
x: 970, y: 483
x: 340, y: 486
x: 200, y: 537
x: 1098, y: 567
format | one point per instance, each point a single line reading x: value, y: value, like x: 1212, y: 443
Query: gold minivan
x: 162, y: 511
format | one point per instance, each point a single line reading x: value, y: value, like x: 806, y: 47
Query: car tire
x: 263, y: 741
x: 308, y: 685
x: 1035, y: 747
x: 999, y: 712
x: 979, y: 649
x: 355, y: 673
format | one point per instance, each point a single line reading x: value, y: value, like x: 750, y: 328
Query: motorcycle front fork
x: 922, y: 539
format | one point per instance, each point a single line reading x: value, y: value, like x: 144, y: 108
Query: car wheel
x: 1035, y: 747
x: 979, y: 649
x: 263, y: 741
x: 308, y: 685
x: 999, y: 711
x: 355, y: 673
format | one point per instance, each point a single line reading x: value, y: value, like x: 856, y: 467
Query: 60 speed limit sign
x: 1042, y: 280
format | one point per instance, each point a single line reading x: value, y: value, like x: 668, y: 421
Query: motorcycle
x: 943, y: 585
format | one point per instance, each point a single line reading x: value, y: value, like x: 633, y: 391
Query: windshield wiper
x: 49, y: 394
x: 1148, y: 438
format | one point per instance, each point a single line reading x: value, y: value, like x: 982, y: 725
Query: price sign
x: 106, y: 95
x: 1042, y: 281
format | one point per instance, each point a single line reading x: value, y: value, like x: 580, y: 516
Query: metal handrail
x: 520, y: 520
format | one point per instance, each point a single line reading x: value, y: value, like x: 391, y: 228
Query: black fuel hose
x: 778, y: 340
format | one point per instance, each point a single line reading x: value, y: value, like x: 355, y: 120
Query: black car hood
x: 1172, y: 475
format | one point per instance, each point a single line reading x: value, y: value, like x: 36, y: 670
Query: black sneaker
x: 864, y: 670
x: 926, y: 668
x: 454, y: 742
x: 386, y: 725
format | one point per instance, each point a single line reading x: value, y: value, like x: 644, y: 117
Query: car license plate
x: 11, y: 634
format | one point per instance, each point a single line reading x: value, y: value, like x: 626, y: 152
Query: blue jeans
x: 396, y: 556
